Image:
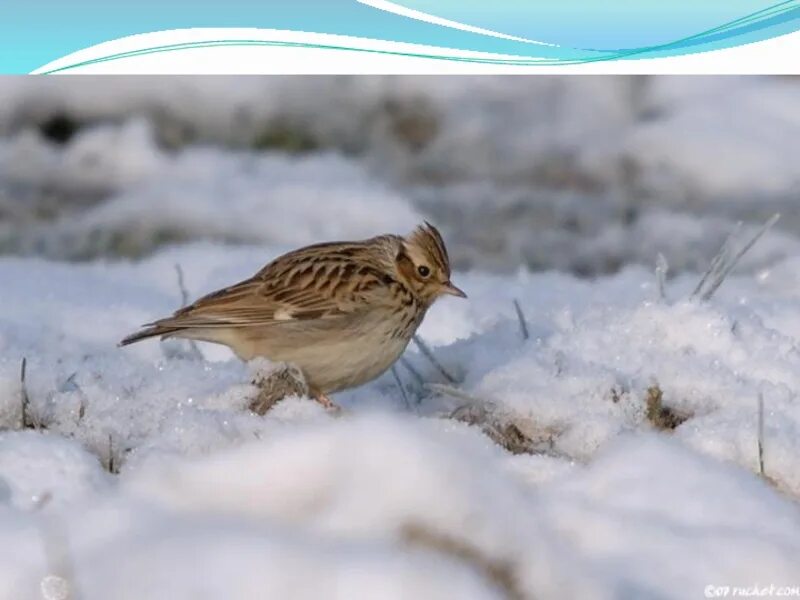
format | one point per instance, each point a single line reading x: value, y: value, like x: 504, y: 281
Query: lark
x: 342, y: 312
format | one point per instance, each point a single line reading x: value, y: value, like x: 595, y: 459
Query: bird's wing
x: 307, y: 284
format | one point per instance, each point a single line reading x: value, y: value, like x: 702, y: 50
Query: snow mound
x: 390, y: 506
x: 37, y: 469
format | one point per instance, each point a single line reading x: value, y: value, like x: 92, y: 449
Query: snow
x: 570, y: 170
x: 33, y: 463
x: 613, y: 453
x: 388, y: 498
x: 174, y: 198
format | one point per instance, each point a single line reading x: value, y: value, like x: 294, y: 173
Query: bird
x: 341, y: 312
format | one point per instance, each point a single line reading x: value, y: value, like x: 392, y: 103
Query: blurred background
x: 581, y: 174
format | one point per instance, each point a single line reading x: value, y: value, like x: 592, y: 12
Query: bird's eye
x: 423, y: 271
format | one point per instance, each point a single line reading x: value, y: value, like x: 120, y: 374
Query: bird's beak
x: 449, y: 288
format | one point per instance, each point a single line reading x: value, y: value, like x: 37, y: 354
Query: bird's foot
x: 326, y: 402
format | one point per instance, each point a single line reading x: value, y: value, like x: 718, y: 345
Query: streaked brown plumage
x: 343, y: 312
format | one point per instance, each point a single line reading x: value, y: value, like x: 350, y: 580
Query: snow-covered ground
x: 607, y: 449
x: 584, y: 174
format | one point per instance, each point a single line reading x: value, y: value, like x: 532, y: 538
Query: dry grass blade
x: 738, y: 256
x: 724, y: 262
x: 728, y: 267
x: 761, y: 435
x: 195, y: 351
x: 24, y: 399
x: 182, y: 285
x: 432, y: 358
x: 718, y: 259
x: 27, y: 418
x: 112, y: 466
x: 523, y: 324
x: 71, y: 385
x: 399, y: 383
x: 453, y: 392
x: 412, y: 369
x: 662, y: 267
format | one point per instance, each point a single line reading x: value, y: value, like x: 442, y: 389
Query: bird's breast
x: 347, y: 355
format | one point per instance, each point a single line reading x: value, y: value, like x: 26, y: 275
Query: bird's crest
x: 428, y: 239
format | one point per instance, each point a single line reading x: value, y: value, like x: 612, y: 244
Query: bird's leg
x: 324, y: 400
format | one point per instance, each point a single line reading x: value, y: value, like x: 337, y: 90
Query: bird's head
x: 424, y: 264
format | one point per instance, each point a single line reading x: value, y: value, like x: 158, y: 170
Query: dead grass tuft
x: 292, y: 138
x: 286, y: 380
x: 504, y: 432
x: 500, y: 573
x: 499, y: 427
x: 659, y: 416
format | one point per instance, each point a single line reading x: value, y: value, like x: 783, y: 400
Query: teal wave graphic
x: 606, y: 25
x: 574, y: 42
